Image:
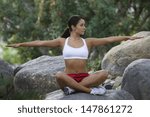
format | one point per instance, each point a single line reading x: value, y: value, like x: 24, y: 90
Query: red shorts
x: 78, y: 77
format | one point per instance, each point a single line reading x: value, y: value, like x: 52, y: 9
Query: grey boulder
x: 37, y: 75
x: 6, y: 78
x: 119, y: 57
x: 136, y: 79
x: 110, y: 95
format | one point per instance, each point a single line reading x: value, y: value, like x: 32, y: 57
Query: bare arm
x: 107, y: 40
x: 38, y: 43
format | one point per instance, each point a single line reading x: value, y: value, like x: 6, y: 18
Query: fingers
x: 138, y: 37
x: 133, y: 38
x: 9, y: 45
x: 13, y: 45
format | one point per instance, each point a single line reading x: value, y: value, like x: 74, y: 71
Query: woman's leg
x: 64, y: 80
x: 95, y: 79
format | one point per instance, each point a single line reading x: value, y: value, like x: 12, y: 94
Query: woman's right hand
x: 14, y: 45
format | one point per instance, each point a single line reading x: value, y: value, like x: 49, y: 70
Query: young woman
x: 75, y: 52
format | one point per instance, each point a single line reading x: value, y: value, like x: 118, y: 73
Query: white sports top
x: 75, y: 53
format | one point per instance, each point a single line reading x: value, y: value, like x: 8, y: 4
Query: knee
x: 104, y: 74
x: 59, y: 75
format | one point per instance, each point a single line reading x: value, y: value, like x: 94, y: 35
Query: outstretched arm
x: 107, y: 40
x: 38, y: 43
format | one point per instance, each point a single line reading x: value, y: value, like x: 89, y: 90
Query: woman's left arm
x: 107, y: 40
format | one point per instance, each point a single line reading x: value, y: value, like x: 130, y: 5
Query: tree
x: 28, y: 20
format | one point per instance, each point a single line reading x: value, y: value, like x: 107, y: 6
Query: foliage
x: 28, y: 20
x: 93, y: 66
x: 10, y: 55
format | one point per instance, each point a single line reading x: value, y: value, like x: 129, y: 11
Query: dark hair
x: 72, y: 21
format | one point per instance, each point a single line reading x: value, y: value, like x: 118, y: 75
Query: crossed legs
x: 85, y: 85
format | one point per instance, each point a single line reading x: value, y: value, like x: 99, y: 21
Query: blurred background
x: 29, y: 20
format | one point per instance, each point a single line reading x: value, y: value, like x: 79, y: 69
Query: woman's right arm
x: 38, y: 43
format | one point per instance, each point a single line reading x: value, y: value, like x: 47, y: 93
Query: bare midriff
x: 75, y: 66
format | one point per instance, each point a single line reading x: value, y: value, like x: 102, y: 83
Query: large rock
x: 136, y: 79
x: 6, y: 79
x: 110, y: 95
x: 119, y: 57
x: 36, y: 75
x: 55, y: 95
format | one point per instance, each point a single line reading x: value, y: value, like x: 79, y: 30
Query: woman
x: 75, y: 52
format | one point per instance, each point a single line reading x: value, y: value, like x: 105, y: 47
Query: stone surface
x: 6, y: 78
x: 136, y: 79
x: 36, y: 75
x: 110, y: 95
x: 119, y: 57
x: 55, y: 95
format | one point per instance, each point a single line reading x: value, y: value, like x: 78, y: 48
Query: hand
x: 134, y: 38
x: 14, y: 45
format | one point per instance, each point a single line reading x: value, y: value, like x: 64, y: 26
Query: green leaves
x: 28, y: 20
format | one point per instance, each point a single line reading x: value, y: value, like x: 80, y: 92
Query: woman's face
x: 80, y: 27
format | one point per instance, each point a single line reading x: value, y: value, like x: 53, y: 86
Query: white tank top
x: 75, y: 53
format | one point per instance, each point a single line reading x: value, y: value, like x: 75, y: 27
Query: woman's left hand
x: 134, y: 38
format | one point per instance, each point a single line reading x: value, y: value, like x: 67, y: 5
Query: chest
x: 75, y: 43
x: 76, y: 50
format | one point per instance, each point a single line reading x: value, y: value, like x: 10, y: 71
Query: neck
x: 75, y: 36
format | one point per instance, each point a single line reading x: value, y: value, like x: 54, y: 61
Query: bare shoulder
x: 61, y: 40
x: 96, y: 41
x: 89, y: 41
x: 53, y: 43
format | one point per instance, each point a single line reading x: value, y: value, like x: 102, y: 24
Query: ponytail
x: 66, y: 33
x: 73, y: 21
